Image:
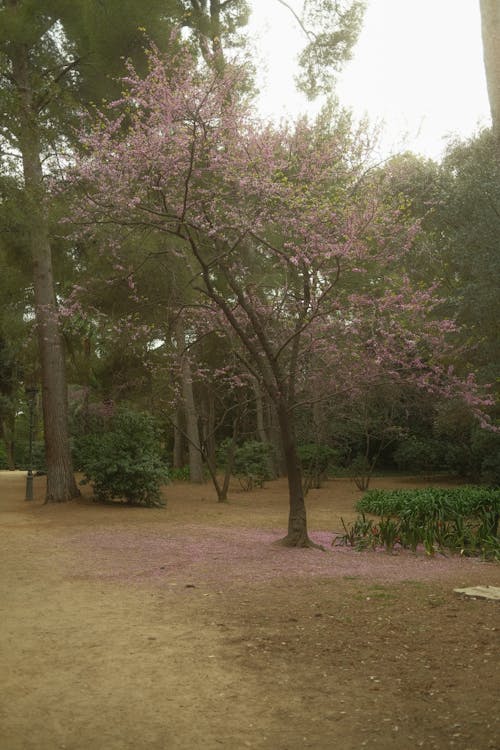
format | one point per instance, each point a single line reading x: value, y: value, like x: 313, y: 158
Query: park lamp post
x: 31, y: 394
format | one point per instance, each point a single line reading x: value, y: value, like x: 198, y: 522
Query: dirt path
x: 186, y: 628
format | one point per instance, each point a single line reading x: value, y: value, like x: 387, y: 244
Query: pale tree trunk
x: 490, y: 26
x: 178, y: 452
x: 192, y: 432
x: 61, y: 484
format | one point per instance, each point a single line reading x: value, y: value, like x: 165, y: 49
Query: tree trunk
x: 297, y: 519
x: 178, y: 452
x: 259, y: 412
x: 192, y: 432
x: 490, y: 26
x: 61, y: 484
x: 274, y: 432
x: 208, y: 429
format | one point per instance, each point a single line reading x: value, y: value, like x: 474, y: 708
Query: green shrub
x: 490, y: 470
x: 38, y: 456
x: 252, y: 463
x: 181, y: 474
x: 419, y: 455
x: 3, y: 457
x: 315, y: 461
x: 361, y: 470
x: 123, y: 460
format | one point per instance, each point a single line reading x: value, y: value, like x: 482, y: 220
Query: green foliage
x: 123, y: 459
x: 179, y: 475
x: 419, y: 454
x: 431, y: 502
x: 361, y: 534
x: 361, y: 470
x: 490, y: 470
x: 315, y: 461
x: 38, y: 458
x: 252, y: 463
x: 462, y: 520
x: 332, y: 29
x: 485, y: 449
x: 3, y: 457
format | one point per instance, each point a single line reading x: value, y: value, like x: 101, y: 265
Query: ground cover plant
x: 462, y: 519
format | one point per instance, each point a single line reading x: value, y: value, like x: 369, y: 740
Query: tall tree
x: 276, y: 225
x: 51, y: 56
x: 28, y: 51
x: 490, y: 25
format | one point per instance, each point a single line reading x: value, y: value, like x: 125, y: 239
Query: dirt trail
x: 186, y: 628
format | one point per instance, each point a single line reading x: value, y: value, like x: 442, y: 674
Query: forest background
x: 340, y: 311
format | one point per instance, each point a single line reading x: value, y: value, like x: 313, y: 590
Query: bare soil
x: 184, y: 628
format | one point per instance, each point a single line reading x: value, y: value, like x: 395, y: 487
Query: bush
x: 315, y: 461
x: 252, y: 463
x: 181, y: 474
x: 361, y: 470
x: 490, y: 470
x: 419, y: 455
x: 3, y: 457
x: 39, y: 463
x: 123, y: 460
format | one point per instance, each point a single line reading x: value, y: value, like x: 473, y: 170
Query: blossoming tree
x: 290, y: 242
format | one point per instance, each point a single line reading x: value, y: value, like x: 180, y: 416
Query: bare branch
x: 309, y: 34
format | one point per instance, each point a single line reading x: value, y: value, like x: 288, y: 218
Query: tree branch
x: 309, y: 34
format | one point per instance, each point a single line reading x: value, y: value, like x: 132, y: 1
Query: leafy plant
x: 315, y: 461
x: 252, y: 463
x: 419, y: 454
x: 361, y: 534
x: 389, y: 533
x: 462, y: 520
x: 123, y: 460
x: 361, y: 470
x: 179, y: 475
x: 3, y: 458
x: 490, y: 470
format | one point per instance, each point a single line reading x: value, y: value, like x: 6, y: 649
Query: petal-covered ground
x: 189, y: 627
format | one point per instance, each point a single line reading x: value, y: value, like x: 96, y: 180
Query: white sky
x: 417, y: 66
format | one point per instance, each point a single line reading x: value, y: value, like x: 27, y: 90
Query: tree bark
x: 61, y: 485
x: 275, y: 440
x: 192, y: 432
x: 297, y: 535
x: 178, y: 452
x: 490, y: 27
x: 259, y: 412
